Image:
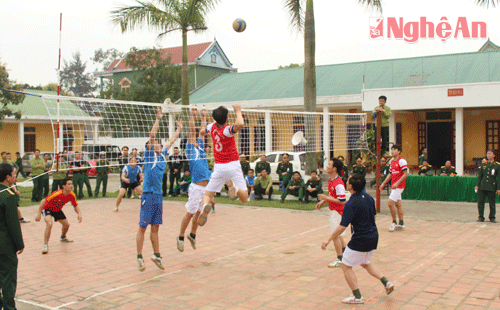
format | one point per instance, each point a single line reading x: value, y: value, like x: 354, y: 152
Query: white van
x: 298, y: 159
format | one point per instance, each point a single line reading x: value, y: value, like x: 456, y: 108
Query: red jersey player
x: 227, y: 167
x: 51, y: 208
x: 398, y: 174
x: 336, y: 201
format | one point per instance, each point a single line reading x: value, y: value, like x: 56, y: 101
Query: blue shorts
x: 151, y: 209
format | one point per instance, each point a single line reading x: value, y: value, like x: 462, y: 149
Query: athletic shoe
x: 132, y: 197
x: 116, y: 209
x: 142, y: 266
x: 192, y: 240
x: 24, y: 220
x: 202, y: 219
x: 335, y: 263
x: 232, y: 190
x: 389, y: 287
x: 393, y: 227
x: 400, y: 227
x: 180, y: 244
x: 65, y: 239
x: 353, y: 300
x: 158, y: 262
x: 45, y: 249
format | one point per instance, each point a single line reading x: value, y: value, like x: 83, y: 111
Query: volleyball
x: 239, y: 25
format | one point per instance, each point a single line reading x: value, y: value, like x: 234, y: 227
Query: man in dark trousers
x: 175, y: 164
x: 487, y: 185
x: 11, y: 238
x: 19, y: 162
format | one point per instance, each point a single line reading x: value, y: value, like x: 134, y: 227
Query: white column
x: 61, y: 145
x: 269, y: 131
x: 459, y: 141
x: 392, y: 129
x: 96, y: 133
x: 21, y: 138
x: 326, y: 135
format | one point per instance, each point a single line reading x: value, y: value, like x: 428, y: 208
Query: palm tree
x: 304, y: 22
x: 487, y: 3
x: 166, y: 16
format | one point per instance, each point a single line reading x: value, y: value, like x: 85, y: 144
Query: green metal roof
x: 34, y: 105
x: 347, y: 79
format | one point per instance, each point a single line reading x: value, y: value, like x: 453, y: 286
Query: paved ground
x: 259, y: 258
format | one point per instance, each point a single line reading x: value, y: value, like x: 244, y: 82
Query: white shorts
x: 396, y: 194
x: 335, y: 219
x: 195, y: 200
x: 224, y: 172
x: 353, y: 258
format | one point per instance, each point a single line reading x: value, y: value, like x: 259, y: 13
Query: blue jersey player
x: 152, y: 200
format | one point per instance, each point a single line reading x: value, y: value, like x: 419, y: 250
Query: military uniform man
x: 447, y: 169
x: 245, y: 165
x: 45, y: 178
x: 313, y: 186
x: 78, y: 167
x: 425, y: 169
x: 488, y: 182
x: 359, y: 168
x: 345, y: 170
x: 59, y: 175
x: 262, y: 164
x: 295, y: 187
x: 384, y: 171
x: 37, y: 164
x: 19, y: 163
x: 11, y: 238
x: 102, y: 169
x: 285, y: 170
x: 86, y: 179
x: 423, y: 157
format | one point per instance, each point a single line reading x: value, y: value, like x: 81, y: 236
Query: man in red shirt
x: 51, y: 208
x: 336, y: 201
x: 398, y: 174
x: 227, y: 167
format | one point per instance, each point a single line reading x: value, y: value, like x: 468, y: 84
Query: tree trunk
x: 185, y: 70
x: 310, y: 87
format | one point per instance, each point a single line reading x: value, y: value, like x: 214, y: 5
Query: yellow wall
x: 44, y: 137
x: 475, y: 132
x: 9, y: 141
x: 409, y: 137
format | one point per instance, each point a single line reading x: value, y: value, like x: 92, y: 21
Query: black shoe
x: 493, y: 220
x: 480, y: 220
x: 217, y: 195
x: 258, y: 197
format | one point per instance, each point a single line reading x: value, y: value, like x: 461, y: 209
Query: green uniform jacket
x: 384, y: 170
x: 317, y: 184
x: 266, y: 183
x: 102, y: 166
x: 284, y: 167
x: 34, y: 163
x: 426, y: 171
x: 260, y: 165
x: 245, y: 166
x: 61, y: 174
x: 345, y: 174
x: 19, y: 163
x: 10, y: 162
x: 488, y: 176
x: 122, y: 162
x: 361, y: 170
x: 421, y: 159
x: 448, y: 171
x: 11, y: 237
x: 186, y: 179
x: 47, y: 168
x: 299, y: 183
x: 385, y: 115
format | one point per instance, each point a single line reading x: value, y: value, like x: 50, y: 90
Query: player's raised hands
x: 159, y: 113
x: 237, y: 107
x: 204, y: 112
x: 194, y: 111
x: 180, y: 123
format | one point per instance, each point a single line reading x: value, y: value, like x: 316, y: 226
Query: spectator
x: 425, y: 169
x: 386, y: 114
x: 295, y: 187
x: 59, y: 173
x: 245, y: 164
x: 313, y: 186
x: 14, y: 164
x: 262, y: 164
x: 344, y: 174
x: 79, y: 168
x: 250, y: 180
x: 359, y: 168
x: 102, y: 170
x: 384, y: 171
x: 36, y: 170
x: 447, y: 169
x: 19, y: 163
x: 284, y: 170
x: 263, y: 185
x: 487, y: 185
x: 45, y: 178
x: 183, y: 184
x: 422, y: 157
x: 175, y: 164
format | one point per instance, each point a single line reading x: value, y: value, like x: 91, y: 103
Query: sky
x: 29, y: 33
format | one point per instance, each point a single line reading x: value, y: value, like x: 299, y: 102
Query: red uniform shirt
x: 398, y: 167
x: 224, y: 146
x: 56, y: 201
x: 336, y: 189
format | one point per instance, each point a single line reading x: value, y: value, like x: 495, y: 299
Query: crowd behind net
x: 93, y: 125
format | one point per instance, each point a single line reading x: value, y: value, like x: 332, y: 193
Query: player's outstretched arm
x: 77, y: 210
x: 40, y: 208
x: 239, y: 123
x: 174, y: 137
x: 192, y: 129
x: 154, y: 130
x: 203, y: 129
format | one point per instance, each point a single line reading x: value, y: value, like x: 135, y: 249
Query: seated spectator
x: 295, y: 187
x: 422, y: 157
x: 263, y: 185
x: 250, y: 180
x: 183, y: 184
x: 447, y: 169
x: 313, y: 186
x: 425, y: 169
x: 384, y: 171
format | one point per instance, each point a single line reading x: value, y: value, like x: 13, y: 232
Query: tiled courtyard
x: 252, y: 258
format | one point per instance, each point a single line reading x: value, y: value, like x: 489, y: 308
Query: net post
x: 268, y: 132
x: 378, y: 157
x: 326, y: 135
